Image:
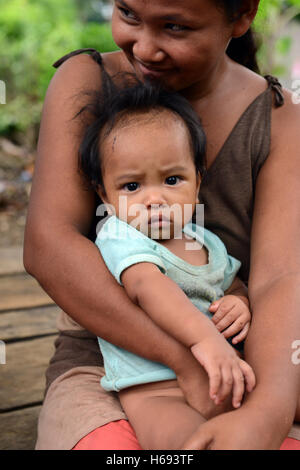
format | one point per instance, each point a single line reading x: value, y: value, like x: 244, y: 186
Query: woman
x: 252, y: 142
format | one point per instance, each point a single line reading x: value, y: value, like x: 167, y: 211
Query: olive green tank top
x: 228, y: 187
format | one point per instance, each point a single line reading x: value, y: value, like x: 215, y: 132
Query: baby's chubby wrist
x: 182, y: 361
x: 209, y: 342
x: 244, y: 299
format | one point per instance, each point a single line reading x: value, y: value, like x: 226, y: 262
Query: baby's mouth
x: 154, y: 219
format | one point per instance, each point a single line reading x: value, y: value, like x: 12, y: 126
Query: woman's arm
x: 274, y: 284
x: 266, y: 417
x: 56, y: 251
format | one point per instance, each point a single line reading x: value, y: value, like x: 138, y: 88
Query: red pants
x: 119, y: 435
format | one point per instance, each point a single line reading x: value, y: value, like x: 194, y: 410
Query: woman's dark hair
x: 126, y: 96
x: 243, y: 49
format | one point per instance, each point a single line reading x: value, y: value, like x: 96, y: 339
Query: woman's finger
x: 200, y: 440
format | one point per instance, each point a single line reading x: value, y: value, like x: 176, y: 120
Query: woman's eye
x: 172, y: 180
x: 176, y: 27
x: 127, y: 13
x: 131, y: 186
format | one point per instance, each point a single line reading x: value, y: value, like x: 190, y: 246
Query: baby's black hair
x: 122, y: 95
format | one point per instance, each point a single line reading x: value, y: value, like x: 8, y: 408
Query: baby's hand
x: 231, y: 316
x: 226, y: 371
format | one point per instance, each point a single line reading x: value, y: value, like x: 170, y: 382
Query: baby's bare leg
x: 160, y: 415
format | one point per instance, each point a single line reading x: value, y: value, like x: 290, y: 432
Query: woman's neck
x: 209, y: 85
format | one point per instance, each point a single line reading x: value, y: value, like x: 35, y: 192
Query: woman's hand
x: 226, y: 371
x: 242, y: 429
x: 231, y: 317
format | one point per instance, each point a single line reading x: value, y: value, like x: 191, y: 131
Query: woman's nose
x: 146, y: 49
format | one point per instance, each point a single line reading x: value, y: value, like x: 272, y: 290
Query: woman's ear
x: 245, y: 18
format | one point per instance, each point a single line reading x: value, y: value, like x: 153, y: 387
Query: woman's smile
x: 148, y: 71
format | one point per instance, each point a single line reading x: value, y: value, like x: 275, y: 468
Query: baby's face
x: 149, y: 174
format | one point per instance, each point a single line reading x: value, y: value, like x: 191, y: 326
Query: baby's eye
x: 131, y: 186
x: 172, y: 180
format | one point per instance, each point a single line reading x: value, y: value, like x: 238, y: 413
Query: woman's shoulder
x: 248, y: 85
x: 82, y: 68
x: 286, y: 124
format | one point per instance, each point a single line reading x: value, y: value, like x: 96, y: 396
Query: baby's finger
x: 221, y: 313
x: 236, y: 327
x: 249, y: 376
x: 227, y: 382
x: 238, y: 387
x: 215, y: 380
x: 214, y: 306
x: 216, y: 303
x: 242, y: 335
x: 227, y: 318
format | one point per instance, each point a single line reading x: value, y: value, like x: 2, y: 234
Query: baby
x: 145, y: 156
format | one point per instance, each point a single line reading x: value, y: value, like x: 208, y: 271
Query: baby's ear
x: 101, y: 193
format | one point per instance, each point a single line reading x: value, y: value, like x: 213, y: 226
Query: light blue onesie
x: 121, y: 246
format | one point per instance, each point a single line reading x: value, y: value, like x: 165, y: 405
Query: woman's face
x: 180, y: 43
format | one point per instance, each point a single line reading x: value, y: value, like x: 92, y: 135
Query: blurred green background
x: 35, y: 33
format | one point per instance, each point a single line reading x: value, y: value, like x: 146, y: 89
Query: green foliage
x: 33, y: 35
x: 272, y: 18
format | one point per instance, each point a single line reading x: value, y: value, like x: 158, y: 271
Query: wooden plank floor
x: 27, y: 333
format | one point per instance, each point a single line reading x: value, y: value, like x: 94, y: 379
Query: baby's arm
x: 164, y: 301
x: 231, y: 313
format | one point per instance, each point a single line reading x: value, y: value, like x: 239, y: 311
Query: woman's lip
x: 152, y: 72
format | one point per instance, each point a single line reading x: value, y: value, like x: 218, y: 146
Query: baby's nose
x: 155, y: 199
